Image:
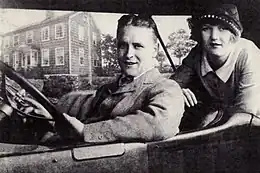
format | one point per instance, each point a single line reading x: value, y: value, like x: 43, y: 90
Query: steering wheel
x: 12, y: 99
x: 17, y: 100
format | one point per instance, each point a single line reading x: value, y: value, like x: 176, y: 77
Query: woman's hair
x: 139, y: 21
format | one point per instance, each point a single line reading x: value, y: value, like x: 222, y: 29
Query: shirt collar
x: 224, y: 71
x: 123, y: 76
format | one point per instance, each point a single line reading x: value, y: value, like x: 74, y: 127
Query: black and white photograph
x: 133, y: 86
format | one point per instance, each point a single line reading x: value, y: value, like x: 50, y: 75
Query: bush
x: 32, y: 72
x: 38, y: 83
x: 55, y: 86
x: 96, y: 82
x: 58, y: 85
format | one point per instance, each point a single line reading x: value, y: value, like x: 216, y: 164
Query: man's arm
x: 76, y: 104
x: 158, y: 119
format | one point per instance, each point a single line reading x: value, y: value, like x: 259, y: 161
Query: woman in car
x: 220, y: 77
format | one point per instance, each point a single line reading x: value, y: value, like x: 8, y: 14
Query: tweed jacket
x: 236, y: 91
x: 147, y: 109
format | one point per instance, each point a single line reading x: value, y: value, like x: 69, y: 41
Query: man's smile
x: 215, y: 45
x: 130, y: 63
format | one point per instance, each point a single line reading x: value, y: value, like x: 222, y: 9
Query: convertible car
x: 231, y: 147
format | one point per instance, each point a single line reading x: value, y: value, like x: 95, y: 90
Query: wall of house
x: 55, y: 43
x: 84, y: 19
x: 38, y: 44
x: 96, y: 49
x: 76, y: 67
x: 92, y: 36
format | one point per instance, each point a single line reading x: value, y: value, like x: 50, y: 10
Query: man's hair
x: 139, y: 21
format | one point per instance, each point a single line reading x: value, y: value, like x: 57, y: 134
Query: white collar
x: 143, y: 73
x: 224, y: 71
x: 123, y: 75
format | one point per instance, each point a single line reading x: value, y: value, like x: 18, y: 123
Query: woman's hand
x: 189, y: 97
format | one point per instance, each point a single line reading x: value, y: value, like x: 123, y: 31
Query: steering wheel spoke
x: 14, y: 91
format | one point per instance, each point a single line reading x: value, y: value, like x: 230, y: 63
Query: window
x: 59, y: 55
x: 34, y: 58
x: 96, y: 63
x: 45, y: 57
x: 6, y: 59
x: 6, y: 42
x: 16, y: 40
x: 29, y: 37
x: 45, y: 33
x: 81, y: 33
x: 81, y: 56
x: 22, y: 57
x: 59, y: 30
x: 94, y: 38
x: 15, y: 60
x: 85, y: 18
x: 28, y: 58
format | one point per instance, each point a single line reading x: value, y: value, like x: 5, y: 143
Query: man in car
x: 141, y: 105
x: 220, y: 77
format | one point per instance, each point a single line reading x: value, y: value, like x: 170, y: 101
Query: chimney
x: 49, y: 14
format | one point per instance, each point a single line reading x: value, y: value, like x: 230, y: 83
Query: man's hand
x: 36, y: 107
x: 76, y: 125
x: 189, y: 97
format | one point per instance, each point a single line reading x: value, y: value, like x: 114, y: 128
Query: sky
x: 10, y: 19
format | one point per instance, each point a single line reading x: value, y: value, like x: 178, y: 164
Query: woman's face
x: 216, y: 40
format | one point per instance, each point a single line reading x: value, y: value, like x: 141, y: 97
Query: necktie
x: 126, y: 80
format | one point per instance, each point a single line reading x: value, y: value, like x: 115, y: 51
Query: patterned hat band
x: 231, y: 24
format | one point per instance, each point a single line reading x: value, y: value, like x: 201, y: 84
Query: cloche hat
x: 227, y: 14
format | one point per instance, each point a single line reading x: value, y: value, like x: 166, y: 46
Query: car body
x: 224, y: 149
x: 231, y: 147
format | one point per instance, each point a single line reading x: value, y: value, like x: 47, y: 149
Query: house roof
x: 24, y: 27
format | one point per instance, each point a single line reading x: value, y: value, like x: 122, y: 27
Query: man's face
x: 216, y: 40
x: 136, y: 50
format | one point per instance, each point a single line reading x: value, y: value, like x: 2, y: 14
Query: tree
x: 161, y: 59
x: 109, y: 55
x: 180, y: 44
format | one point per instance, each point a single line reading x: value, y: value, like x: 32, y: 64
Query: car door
x: 233, y: 149
x: 105, y: 158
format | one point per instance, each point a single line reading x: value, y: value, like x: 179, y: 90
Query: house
x: 67, y: 44
x: 1, y: 40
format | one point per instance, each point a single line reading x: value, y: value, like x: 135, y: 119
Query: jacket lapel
x: 125, y: 89
x: 131, y: 91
